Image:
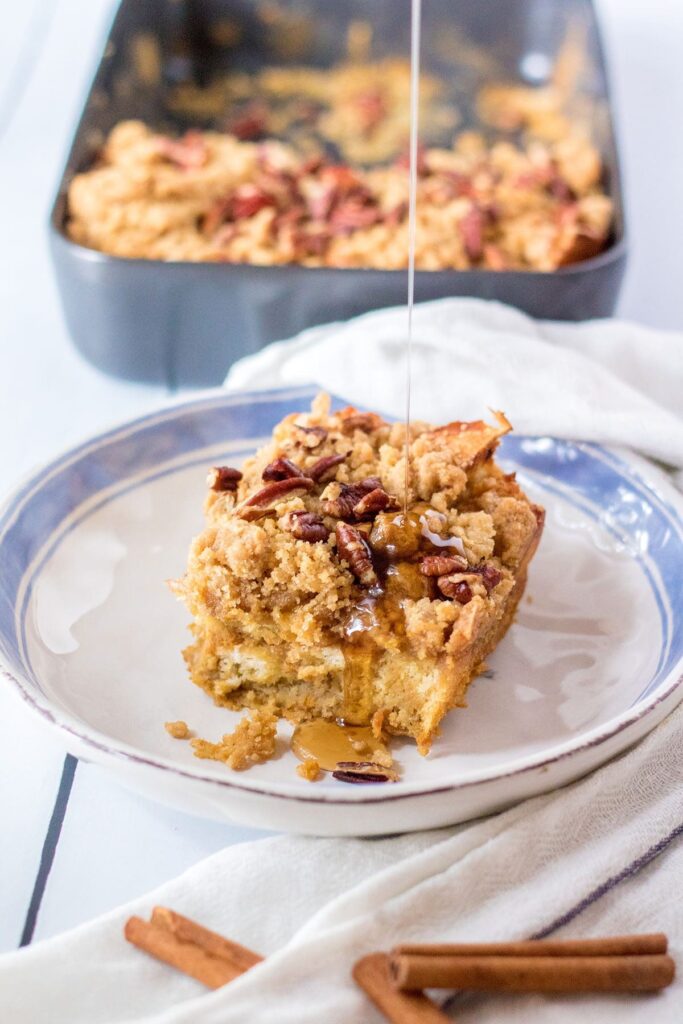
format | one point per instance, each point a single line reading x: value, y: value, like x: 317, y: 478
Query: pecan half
x: 223, y: 478
x: 456, y: 588
x: 253, y: 514
x: 373, y: 502
x: 281, y: 469
x: 319, y: 470
x: 441, y: 565
x: 277, y: 490
x: 313, y: 436
x: 307, y: 526
x: 354, y: 549
x: 343, y: 506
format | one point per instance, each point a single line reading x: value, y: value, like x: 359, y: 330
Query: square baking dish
x: 184, y: 323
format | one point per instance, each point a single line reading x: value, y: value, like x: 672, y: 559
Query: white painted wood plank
x: 116, y: 846
x: 49, y: 397
x: 31, y: 758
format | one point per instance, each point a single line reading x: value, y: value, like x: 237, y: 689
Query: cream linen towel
x: 602, y: 380
x: 600, y: 856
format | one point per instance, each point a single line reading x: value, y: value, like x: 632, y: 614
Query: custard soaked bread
x: 315, y: 594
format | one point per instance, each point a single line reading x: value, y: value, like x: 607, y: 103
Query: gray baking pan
x: 184, y: 323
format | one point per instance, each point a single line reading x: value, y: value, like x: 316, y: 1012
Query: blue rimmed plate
x: 90, y: 635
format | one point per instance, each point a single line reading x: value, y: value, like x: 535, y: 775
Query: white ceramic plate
x: 91, y: 636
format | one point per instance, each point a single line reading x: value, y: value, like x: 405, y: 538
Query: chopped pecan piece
x: 366, y: 421
x: 217, y: 213
x: 490, y: 576
x: 313, y: 436
x: 397, y: 214
x: 188, y: 152
x: 319, y: 470
x: 354, y: 549
x: 307, y: 526
x: 441, y: 565
x: 351, y: 215
x: 250, y: 123
x: 281, y: 469
x: 225, y: 235
x: 359, y: 777
x: 363, y: 771
x: 472, y: 232
x: 559, y: 189
x: 223, y: 478
x: 373, y: 502
x: 343, y: 506
x: 311, y: 243
x: 289, y: 219
x: 341, y: 177
x: 456, y: 588
x: 278, y: 489
x: 248, y: 200
x: 320, y: 200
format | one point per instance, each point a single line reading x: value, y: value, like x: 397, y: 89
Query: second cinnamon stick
x: 646, y: 973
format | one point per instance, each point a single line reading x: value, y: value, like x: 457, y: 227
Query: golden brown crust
x: 298, y: 626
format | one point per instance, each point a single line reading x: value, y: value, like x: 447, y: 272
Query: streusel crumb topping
x: 315, y: 592
x: 252, y: 742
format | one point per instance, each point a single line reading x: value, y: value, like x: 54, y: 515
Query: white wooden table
x: 70, y: 837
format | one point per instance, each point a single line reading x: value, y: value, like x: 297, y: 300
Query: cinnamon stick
x: 372, y: 975
x: 189, y: 947
x: 231, y: 953
x: 645, y: 973
x: 617, y: 945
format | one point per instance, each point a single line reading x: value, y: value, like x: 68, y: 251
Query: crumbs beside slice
x: 309, y: 769
x: 252, y: 742
x: 178, y: 730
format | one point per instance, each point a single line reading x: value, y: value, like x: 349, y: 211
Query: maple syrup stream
x: 328, y: 741
x: 415, y: 23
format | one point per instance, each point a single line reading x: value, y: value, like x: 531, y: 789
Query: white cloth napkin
x: 598, y: 857
x: 602, y: 380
